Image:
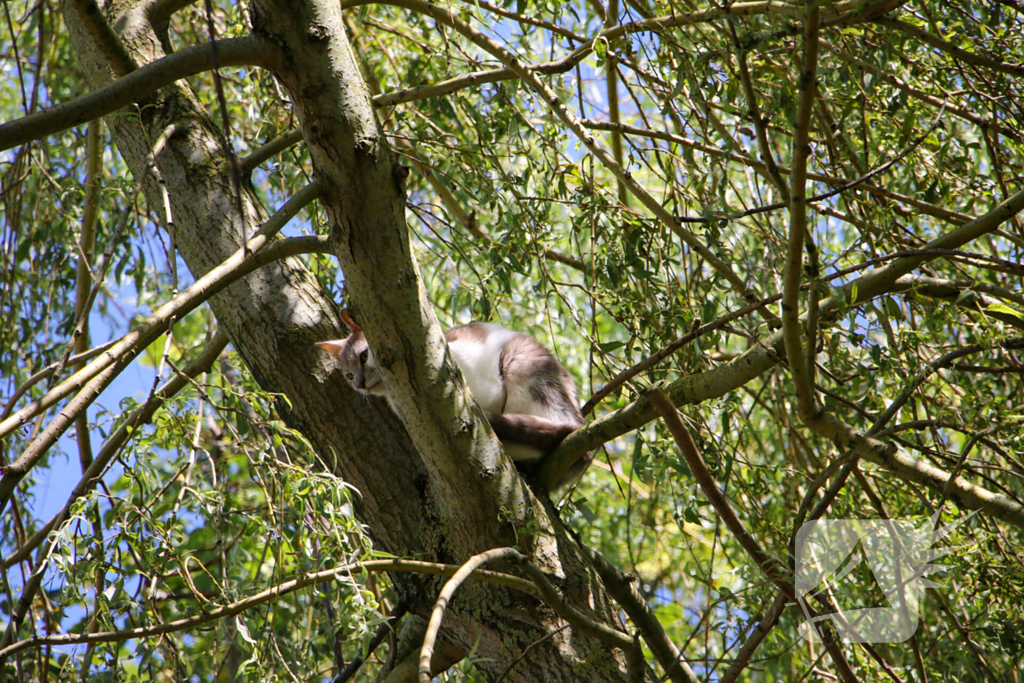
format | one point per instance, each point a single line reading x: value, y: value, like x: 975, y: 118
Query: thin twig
x: 222, y: 105
x: 529, y: 649
x: 949, y: 48
x: 385, y: 629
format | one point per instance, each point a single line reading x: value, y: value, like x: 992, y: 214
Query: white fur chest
x: 480, y: 364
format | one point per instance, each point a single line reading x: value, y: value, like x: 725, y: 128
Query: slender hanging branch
x: 972, y: 58
x: 569, y: 119
x: 91, y: 475
x: 136, y: 342
x: 112, y: 446
x: 262, y: 597
x: 231, y: 269
x: 623, y: 589
x: 772, y: 568
x: 759, y: 359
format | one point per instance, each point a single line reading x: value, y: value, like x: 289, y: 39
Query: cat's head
x: 355, y: 359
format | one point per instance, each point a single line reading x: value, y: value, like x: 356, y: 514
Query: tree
x: 799, y: 224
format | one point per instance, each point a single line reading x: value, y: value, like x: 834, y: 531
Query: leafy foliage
x: 517, y: 222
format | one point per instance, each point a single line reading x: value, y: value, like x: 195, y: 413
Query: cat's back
x: 511, y: 372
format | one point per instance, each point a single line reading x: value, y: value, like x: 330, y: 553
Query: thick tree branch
x: 612, y: 84
x: 739, y: 9
x: 764, y: 625
x: 861, y: 11
x: 968, y: 294
x: 134, y: 87
x: 121, y: 63
x: 878, y: 282
x: 667, y: 350
x: 771, y: 567
x: 972, y: 58
x: 271, y: 149
x: 83, y: 273
x: 159, y: 11
x: 75, y: 361
x: 437, y: 614
x: 422, y: 92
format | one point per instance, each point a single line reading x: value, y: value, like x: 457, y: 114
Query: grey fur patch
x: 540, y: 392
x: 525, y: 360
x: 476, y: 332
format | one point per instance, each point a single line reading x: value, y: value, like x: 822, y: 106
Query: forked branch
x: 594, y: 629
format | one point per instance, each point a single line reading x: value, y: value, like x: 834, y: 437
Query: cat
x: 526, y: 394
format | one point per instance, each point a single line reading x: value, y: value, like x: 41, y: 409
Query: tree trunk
x: 433, y: 484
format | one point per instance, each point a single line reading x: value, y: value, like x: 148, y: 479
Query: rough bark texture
x: 433, y: 485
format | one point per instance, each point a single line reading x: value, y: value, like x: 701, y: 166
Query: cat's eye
x: 363, y: 356
x: 349, y: 376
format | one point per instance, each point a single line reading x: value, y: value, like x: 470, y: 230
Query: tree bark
x: 433, y: 484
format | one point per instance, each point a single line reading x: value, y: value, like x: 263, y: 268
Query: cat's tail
x: 536, y: 433
x: 528, y: 438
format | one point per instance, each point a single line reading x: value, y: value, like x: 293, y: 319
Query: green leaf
x: 1005, y: 310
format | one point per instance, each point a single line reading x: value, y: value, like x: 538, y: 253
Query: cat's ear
x: 333, y: 347
x: 355, y: 329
